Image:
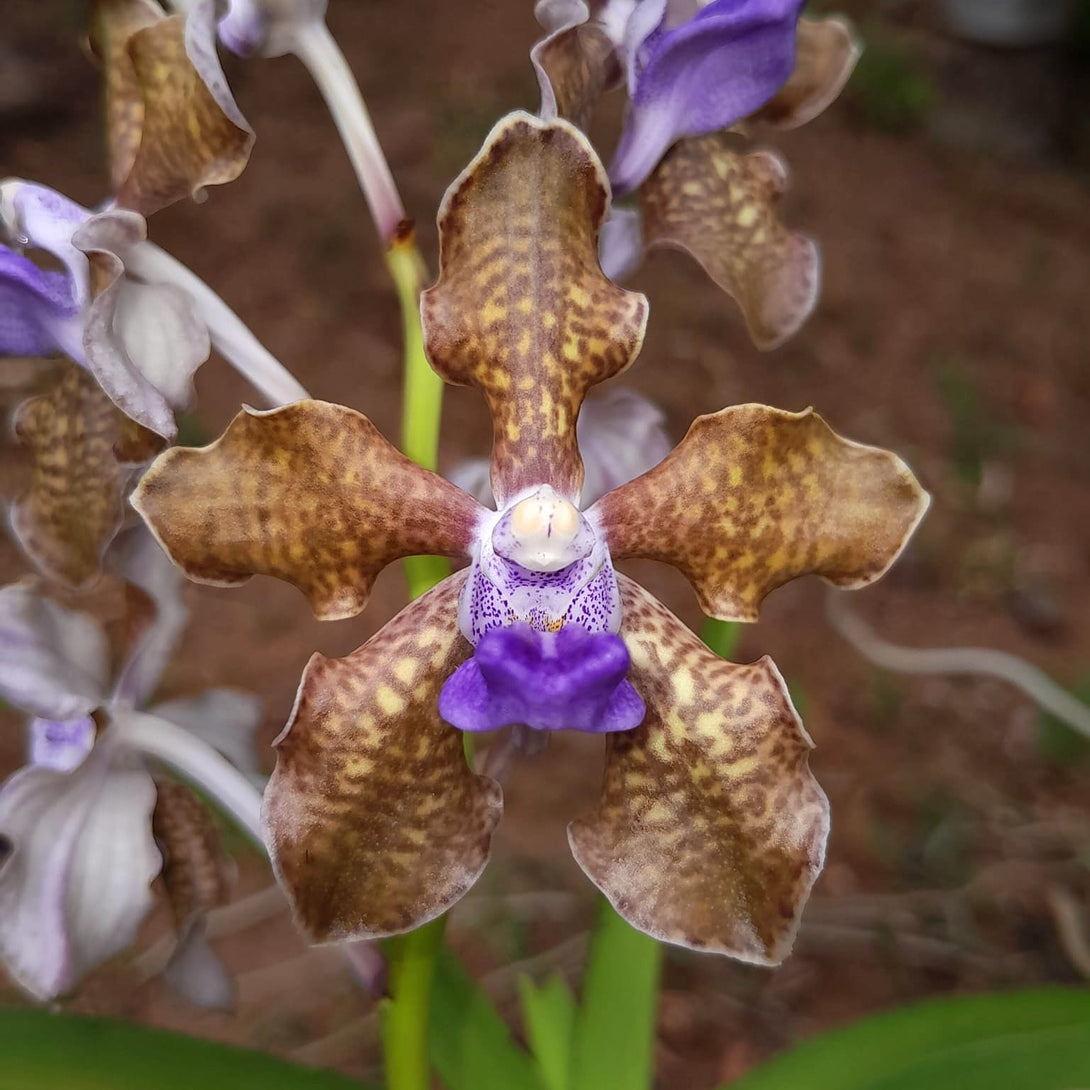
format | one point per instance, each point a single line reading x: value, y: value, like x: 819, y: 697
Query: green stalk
x: 614, y: 1035
x: 422, y: 404
x: 721, y: 636
x: 411, y: 957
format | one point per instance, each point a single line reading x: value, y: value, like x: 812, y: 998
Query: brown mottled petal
x: 522, y: 309
x: 753, y: 497
x: 719, y: 205
x: 574, y: 65
x: 374, y: 822
x: 711, y: 829
x: 112, y: 24
x: 195, y: 871
x: 311, y: 493
x: 75, y: 501
x: 826, y: 51
x: 174, y: 127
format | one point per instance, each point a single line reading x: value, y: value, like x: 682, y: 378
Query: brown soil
x: 943, y: 272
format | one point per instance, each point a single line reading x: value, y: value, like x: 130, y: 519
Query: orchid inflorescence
x: 710, y: 829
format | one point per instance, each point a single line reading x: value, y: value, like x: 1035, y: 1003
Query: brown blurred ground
x: 953, y: 327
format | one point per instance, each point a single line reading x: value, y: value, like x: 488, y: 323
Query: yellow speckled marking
x: 719, y: 205
x: 753, y: 497
x: 710, y: 830
x: 281, y: 492
x: 74, y: 505
x: 521, y: 308
x: 167, y: 135
x: 374, y: 823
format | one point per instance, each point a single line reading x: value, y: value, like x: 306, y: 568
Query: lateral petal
x: 719, y: 205
x: 574, y: 63
x: 521, y: 308
x: 173, y: 127
x: 374, y: 822
x: 74, y: 504
x: 826, y: 51
x: 753, y: 497
x: 711, y: 829
x: 76, y: 884
x: 310, y: 493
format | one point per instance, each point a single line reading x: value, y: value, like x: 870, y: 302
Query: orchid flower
x: 132, y: 316
x: 77, y: 822
x: 696, y: 73
x: 710, y: 830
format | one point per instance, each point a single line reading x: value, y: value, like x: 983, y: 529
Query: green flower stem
x: 721, y: 636
x: 422, y: 404
x: 411, y: 957
x: 613, y: 1043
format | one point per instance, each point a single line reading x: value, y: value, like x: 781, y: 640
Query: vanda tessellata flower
x: 86, y: 825
x: 698, y: 73
x: 710, y: 829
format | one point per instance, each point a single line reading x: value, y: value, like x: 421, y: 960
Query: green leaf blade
x: 1028, y: 1040
x: 549, y: 1013
x: 49, y: 1051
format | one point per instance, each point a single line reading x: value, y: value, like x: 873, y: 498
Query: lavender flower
x: 693, y: 69
x: 694, y: 73
x: 710, y: 829
x: 75, y: 883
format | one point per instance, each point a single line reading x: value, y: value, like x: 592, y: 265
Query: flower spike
x: 522, y: 309
x: 719, y: 205
x: 711, y: 829
x: 374, y: 822
x: 753, y: 497
x: 172, y: 126
x: 311, y: 493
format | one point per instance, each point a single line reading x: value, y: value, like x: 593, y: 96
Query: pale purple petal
x: 141, y: 342
x: 620, y: 243
x: 566, y: 680
x: 158, y: 327
x: 75, y: 886
x: 61, y: 744
x: 223, y: 718
x: 45, y: 219
x: 554, y: 15
x: 200, y: 48
x: 624, y: 436
x: 472, y: 475
x: 267, y: 27
x: 621, y: 435
x: 137, y: 557
x: 53, y: 661
x: 702, y: 76
x: 38, y: 312
x: 196, y: 973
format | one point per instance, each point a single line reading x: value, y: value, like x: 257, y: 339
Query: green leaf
x: 66, y: 1052
x: 1028, y: 1040
x: 615, y: 1031
x: 548, y: 1013
x: 469, y: 1042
